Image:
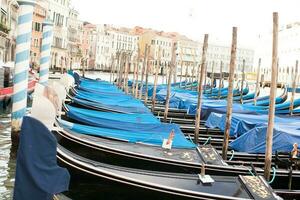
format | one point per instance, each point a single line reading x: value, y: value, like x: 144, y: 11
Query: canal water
x: 79, y: 190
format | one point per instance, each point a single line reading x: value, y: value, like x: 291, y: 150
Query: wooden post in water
x: 186, y: 74
x: 147, y: 75
x: 243, y: 79
x: 221, y: 79
x: 120, y: 69
x: 200, y: 89
x: 155, y: 81
x: 173, y: 63
x: 111, y: 68
x: 205, y: 75
x: 230, y: 93
x: 137, y: 73
x: 269, y: 138
x: 194, y: 66
x: 181, y: 69
x: 143, y: 71
x: 294, y: 88
x: 257, y: 86
x: 212, y: 76
x: 127, y: 65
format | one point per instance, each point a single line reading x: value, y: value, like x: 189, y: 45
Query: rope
x: 208, y: 139
x: 274, y: 175
x: 251, y: 172
x: 232, y: 155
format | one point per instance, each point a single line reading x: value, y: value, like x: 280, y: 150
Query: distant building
x: 59, y: 13
x: 288, y: 51
x: 8, y: 24
x: 88, y: 45
x: 39, y: 16
x: 112, y: 41
x: 75, y: 31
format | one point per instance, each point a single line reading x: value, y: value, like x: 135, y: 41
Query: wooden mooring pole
x: 173, y: 63
x: 200, y: 88
x: 186, y: 74
x: 155, y: 81
x: 269, y: 137
x: 181, y: 68
x: 294, y: 88
x: 143, y: 71
x: 257, y: 86
x: 243, y: 80
x: 194, y: 68
x: 221, y: 79
x: 212, y: 76
x: 230, y: 93
x: 137, y: 74
x: 111, y: 68
x: 147, y: 75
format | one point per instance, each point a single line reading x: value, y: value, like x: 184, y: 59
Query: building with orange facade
x: 88, y: 45
x: 39, y: 16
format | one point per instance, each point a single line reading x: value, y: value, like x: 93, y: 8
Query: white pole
x: 45, y: 52
x: 20, y: 79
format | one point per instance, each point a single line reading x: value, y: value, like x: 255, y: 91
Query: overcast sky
x: 193, y: 17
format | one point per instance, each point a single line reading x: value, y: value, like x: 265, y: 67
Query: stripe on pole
x: 20, y: 79
x: 45, y: 52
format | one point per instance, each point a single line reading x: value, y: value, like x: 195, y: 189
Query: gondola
x: 143, y: 155
x: 173, y: 185
x: 69, y: 137
x: 167, y: 185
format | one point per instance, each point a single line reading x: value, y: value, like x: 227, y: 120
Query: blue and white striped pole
x: 20, y: 79
x: 45, y: 51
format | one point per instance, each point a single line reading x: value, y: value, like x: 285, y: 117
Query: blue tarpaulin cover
x: 242, y: 123
x: 254, y: 141
x: 38, y: 177
x: 153, y: 134
x: 110, y: 119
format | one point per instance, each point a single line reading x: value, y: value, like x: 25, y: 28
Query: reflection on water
x: 7, y: 166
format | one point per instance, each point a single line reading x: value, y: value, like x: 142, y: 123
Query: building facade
x: 39, y: 16
x: 112, y: 41
x: 88, y: 45
x: 8, y: 25
x: 75, y: 30
x: 58, y: 13
x: 288, y: 52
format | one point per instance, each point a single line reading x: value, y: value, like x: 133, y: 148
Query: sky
x: 193, y: 18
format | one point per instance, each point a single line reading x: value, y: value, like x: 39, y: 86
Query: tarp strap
x: 274, y: 175
x: 207, y: 141
x: 232, y: 155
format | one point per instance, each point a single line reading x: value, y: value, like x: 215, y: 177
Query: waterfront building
x: 39, y: 16
x: 111, y: 41
x: 59, y: 12
x: 288, y: 51
x: 75, y: 30
x: 88, y: 45
x: 8, y: 25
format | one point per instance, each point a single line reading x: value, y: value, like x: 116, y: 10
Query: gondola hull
x: 146, y: 157
x: 153, y: 185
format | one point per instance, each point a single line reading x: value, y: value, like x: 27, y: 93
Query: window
x: 153, y: 42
